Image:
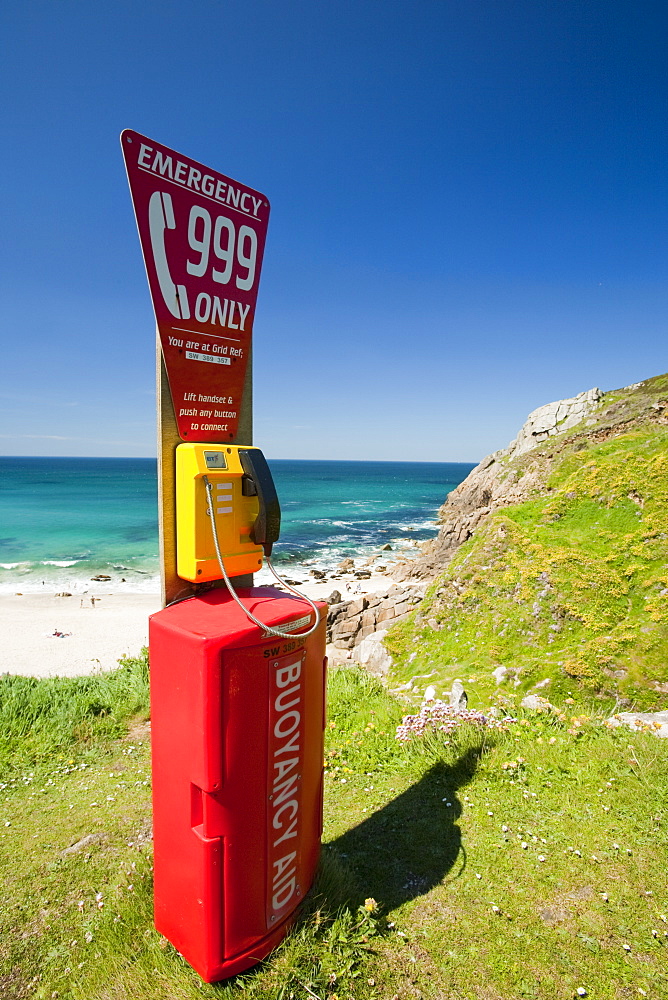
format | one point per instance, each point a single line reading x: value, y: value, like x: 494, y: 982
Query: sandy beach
x: 97, y: 629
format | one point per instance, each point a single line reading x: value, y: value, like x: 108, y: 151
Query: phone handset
x: 161, y: 217
x: 258, y: 481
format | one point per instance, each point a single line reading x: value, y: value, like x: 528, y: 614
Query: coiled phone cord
x: 267, y: 628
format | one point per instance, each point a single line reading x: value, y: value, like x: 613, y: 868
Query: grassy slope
x: 569, y: 586
x: 439, y: 833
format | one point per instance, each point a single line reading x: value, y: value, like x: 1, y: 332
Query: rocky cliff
x: 521, y: 470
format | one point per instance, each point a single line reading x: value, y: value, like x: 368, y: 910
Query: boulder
x: 534, y: 703
x: 368, y: 618
x: 458, y: 696
x: 336, y: 609
x: 371, y: 653
x: 81, y: 845
x: 553, y: 418
x: 653, y: 722
x: 344, y: 628
x: 346, y: 565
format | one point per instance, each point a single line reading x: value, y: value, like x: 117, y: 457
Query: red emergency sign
x: 237, y: 739
x: 202, y: 236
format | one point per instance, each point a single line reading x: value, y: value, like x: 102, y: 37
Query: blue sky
x: 468, y: 212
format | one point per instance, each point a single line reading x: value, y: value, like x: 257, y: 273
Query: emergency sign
x: 202, y: 236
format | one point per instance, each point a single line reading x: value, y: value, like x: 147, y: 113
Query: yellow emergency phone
x: 231, y: 485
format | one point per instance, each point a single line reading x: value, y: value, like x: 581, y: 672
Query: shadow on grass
x: 408, y: 846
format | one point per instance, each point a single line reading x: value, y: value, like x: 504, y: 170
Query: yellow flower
x: 370, y: 904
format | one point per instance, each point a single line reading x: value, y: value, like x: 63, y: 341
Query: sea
x: 65, y: 520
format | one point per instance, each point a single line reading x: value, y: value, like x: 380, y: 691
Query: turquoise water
x: 63, y: 520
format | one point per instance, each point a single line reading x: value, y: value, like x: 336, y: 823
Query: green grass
x: 491, y: 865
x: 464, y: 909
x: 43, y: 719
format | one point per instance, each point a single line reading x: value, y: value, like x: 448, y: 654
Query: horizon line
x: 143, y: 458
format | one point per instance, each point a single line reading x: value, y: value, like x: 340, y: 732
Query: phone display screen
x: 215, y: 460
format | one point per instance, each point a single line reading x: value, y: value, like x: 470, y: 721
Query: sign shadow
x: 406, y: 848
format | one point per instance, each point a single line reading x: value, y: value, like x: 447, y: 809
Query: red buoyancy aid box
x: 237, y: 721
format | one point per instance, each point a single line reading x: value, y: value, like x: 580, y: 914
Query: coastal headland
x: 561, y: 446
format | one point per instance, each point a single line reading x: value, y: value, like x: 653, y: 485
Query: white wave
x: 12, y: 565
x: 60, y: 562
x: 417, y: 526
x: 363, y: 503
x: 78, y: 586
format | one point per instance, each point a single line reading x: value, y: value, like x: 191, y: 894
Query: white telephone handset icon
x: 161, y: 217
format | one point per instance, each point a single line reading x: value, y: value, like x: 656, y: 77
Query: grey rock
x: 499, y: 674
x: 371, y: 653
x: 334, y: 598
x: 387, y: 602
x: 654, y: 722
x: 337, y: 609
x: 81, y: 845
x: 368, y: 618
x: 458, y: 696
x: 348, y: 622
x: 534, y: 703
x: 343, y: 628
x: 553, y: 418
